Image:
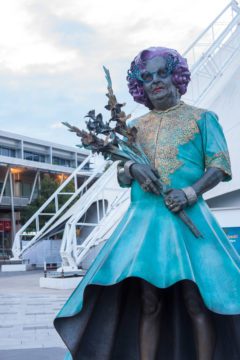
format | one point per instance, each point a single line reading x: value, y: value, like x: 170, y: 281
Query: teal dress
x: 101, y: 318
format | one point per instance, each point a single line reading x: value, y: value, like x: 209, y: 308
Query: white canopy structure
x: 215, y: 81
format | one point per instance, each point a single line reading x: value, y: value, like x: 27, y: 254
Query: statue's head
x: 157, y: 73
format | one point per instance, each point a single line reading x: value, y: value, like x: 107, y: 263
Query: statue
x: 156, y: 290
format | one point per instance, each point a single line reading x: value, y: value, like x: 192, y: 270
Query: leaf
x: 108, y: 77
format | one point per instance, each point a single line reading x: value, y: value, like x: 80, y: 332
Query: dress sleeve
x: 214, y: 144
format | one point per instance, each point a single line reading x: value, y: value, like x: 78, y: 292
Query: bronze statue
x: 156, y: 290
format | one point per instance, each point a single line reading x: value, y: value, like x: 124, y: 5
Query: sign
x: 7, y: 225
x: 233, y: 234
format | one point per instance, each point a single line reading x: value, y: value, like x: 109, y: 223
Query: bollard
x: 45, y: 269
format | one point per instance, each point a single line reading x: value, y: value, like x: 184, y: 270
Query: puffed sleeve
x: 214, y: 144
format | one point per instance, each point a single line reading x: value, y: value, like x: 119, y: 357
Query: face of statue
x: 157, y: 84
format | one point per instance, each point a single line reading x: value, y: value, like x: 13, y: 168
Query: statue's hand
x: 147, y: 177
x: 175, y: 200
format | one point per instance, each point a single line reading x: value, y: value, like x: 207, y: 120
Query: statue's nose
x: 156, y: 77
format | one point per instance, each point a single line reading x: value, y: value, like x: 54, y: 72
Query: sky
x: 52, y: 52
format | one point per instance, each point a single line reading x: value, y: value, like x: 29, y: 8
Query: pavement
x: 26, y: 318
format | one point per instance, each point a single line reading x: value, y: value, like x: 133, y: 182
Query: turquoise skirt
x: 152, y: 244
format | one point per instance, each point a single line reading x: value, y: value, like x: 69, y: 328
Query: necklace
x: 169, y: 109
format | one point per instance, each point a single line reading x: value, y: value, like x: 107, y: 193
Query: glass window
x: 26, y: 190
x: 29, y: 155
x: 5, y: 151
x: 60, y: 161
x: 6, y: 190
x: 86, y: 166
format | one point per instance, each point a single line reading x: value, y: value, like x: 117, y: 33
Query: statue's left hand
x: 175, y: 200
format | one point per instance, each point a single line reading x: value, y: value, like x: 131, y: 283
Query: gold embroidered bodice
x: 160, y: 134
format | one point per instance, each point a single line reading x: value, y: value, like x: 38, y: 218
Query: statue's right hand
x: 147, y: 177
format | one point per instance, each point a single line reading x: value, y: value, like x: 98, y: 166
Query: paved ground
x: 30, y: 354
x: 26, y: 315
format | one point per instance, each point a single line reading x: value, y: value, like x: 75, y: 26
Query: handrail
x: 102, y: 230
x: 216, y: 43
x: 192, y: 48
x: 87, y: 200
x: 209, y: 27
x: 209, y: 65
x: 17, y: 251
x: 70, y: 250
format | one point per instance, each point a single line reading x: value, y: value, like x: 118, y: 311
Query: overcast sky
x: 52, y: 52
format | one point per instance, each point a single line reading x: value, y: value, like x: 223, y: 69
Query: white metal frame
x: 4, y: 183
x: 206, y: 53
x: 104, y: 189
x: 227, y: 216
x: 36, y: 179
x: 39, y: 231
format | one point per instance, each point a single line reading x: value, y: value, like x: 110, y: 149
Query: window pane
x: 5, y: 151
x: 28, y: 155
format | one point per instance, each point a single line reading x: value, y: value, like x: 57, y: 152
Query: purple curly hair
x: 176, y: 64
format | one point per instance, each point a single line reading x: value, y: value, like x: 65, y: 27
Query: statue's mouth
x: 157, y: 89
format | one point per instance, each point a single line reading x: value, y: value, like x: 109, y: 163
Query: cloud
x: 52, y: 52
x: 21, y: 45
x: 56, y: 125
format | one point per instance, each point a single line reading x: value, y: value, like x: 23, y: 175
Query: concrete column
x: 50, y: 154
x: 12, y: 207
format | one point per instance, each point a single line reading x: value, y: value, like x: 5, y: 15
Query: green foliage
x: 48, y: 186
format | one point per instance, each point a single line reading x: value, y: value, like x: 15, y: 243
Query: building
x: 24, y: 162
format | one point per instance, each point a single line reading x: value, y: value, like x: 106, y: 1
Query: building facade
x: 24, y: 162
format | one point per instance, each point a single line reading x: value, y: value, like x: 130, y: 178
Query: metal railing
x: 105, y: 189
x: 17, y: 200
x: 212, y: 52
x: 33, y: 225
x: 5, y: 253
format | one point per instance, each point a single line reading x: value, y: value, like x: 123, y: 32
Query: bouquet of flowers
x: 118, y: 142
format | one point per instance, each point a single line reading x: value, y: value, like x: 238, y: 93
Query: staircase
x: 212, y: 52
x: 34, y: 228
x: 114, y: 201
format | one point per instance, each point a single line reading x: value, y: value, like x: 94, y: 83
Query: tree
x: 48, y: 186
